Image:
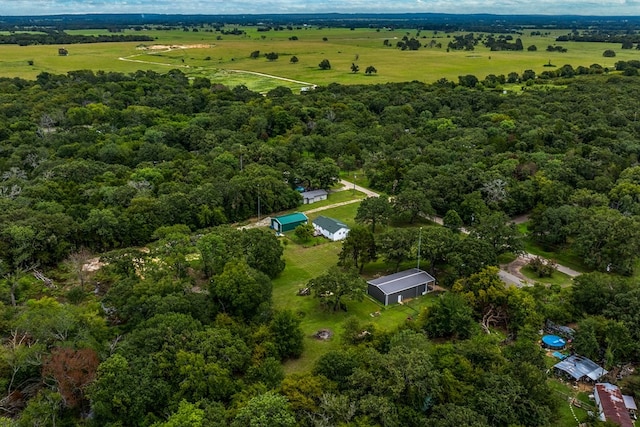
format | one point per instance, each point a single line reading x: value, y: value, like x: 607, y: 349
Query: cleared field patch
x: 341, y: 46
x: 305, y: 263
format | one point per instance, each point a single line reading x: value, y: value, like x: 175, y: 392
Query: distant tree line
x: 59, y: 37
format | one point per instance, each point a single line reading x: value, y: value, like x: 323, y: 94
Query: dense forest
x: 147, y: 168
x: 60, y: 37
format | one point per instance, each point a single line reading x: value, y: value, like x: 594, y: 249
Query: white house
x: 330, y: 228
x: 313, y: 196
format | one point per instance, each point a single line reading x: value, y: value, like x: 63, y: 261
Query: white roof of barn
x: 578, y: 367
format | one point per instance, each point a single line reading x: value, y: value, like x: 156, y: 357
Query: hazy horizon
x: 239, y: 7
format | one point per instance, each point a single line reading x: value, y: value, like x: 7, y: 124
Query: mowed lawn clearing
x: 305, y: 263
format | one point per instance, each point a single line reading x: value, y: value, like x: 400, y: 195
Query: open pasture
x: 225, y: 58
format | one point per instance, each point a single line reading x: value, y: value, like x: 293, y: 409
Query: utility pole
x: 419, y: 245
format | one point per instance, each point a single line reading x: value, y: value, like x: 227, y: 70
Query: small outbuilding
x: 309, y: 197
x: 580, y: 368
x: 288, y: 222
x: 397, y: 287
x: 613, y: 406
x: 330, y: 228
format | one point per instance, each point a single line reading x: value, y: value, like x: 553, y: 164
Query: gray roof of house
x: 313, y: 193
x: 578, y: 367
x: 401, y: 281
x: 329, y: 224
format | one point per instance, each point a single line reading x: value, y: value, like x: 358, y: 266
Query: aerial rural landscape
x: 419, y: 219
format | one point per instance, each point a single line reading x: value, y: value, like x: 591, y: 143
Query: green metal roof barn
x: 288, y: 222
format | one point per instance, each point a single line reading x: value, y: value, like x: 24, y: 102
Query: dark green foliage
x: 325, y: 64
x: 542, y: 267
x: 378, y: 210
x: 111, y: 161
x: 241, y: 291
x: 269, y: 409
x: 358, y: 248
x: 451, y: 317
x: 287, y: 335
x: 304, y: 232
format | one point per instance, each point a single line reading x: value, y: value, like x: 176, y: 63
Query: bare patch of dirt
x: 323, y: 334
x: 174, y: 46
x: 515, y: 266
x: 93, y: 264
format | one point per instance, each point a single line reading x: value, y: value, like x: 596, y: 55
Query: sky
x: 214, y: 7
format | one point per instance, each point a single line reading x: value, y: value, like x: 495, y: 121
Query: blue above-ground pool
x: 553, y: 342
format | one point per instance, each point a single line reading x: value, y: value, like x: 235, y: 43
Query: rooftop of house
x: 330, y: 224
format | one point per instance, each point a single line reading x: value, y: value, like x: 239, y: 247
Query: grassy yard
x: 334, y: 197
x: 564, y: 392
x: 565, y: 257
x: 226, y: 58
x: 557, y: 278
x: 305, y: 263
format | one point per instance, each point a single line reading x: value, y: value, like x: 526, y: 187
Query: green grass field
x: 225, y: 58
x: 566, y: 415
x: 564, y: 257
x: 305, y: 263
x: 557, y: 278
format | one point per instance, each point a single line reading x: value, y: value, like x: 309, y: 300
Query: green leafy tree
x: 609, y: 241
x: 265, y: 410
x: 304, y: 232
x: 396, y: 246
x: 450, y: 317
x: 255, y: 54
x: 241, y: 291
x: 451, y: 415
x: 271, y: 56
x: 370, y: 70
x: 411, y: 204
x: 354, y: 68
x: 374, y: 211
x: 304, y: 391
x: 262, y: 250
x: 212, y: 250
x: 436, y: 246
x: 288, y: 336
x: 201, y: 378
x: 358, y: 248
x: 452, y: 220
x: 336, y: 286
x: 187, y: 415
x: 502, y: 235
x: 325, y: 64
x: 294, y: 59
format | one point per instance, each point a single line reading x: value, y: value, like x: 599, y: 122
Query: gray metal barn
x: 397, y: 287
